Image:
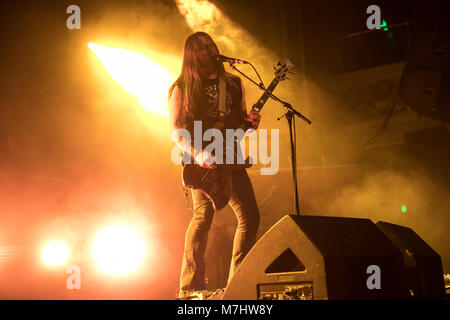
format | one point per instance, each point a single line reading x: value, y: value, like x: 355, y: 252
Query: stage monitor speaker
x: 422, y: 265
x: 312, y: 257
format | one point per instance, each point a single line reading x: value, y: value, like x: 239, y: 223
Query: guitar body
x: 214, y: 183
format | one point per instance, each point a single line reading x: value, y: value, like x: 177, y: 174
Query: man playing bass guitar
x: 195, y: 96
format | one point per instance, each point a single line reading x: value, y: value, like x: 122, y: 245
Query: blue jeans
x: 244, y: 205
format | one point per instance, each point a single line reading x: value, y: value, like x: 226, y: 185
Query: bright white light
x: 143, y: 78
x: 119, y: 249
x: 55, y: 253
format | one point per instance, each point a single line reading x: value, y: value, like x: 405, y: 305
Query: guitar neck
x: 260, y: 103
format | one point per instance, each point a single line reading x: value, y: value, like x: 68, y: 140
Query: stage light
x: 119, y: 249
x: 203, y: 15
x: 384, y: 25
x: 143, y: 78
x: 55, y: 253
x: 198, y: 13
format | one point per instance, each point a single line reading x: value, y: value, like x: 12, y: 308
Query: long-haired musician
x: 194, y: 96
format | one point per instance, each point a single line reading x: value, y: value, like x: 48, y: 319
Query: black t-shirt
x: 207, y: 105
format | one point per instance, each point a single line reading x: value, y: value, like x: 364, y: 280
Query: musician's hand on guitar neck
x: 205, y: 159
x: 255, y: 118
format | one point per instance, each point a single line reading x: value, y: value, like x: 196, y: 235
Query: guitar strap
x: 222, y: 101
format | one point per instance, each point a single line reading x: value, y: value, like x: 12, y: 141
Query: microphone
x: 221, y: 58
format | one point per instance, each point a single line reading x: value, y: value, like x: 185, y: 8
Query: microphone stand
x: 290, y: 117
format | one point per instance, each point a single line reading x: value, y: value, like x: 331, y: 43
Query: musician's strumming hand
x: 205, y: 159
x: 255, y: 118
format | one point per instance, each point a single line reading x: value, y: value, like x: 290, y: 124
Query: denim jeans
x: 244, y: 205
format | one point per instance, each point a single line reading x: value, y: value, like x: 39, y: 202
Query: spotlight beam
x: 143, y: 78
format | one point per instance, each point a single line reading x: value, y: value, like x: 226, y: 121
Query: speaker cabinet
x: 425, y: 84
x: 431, y: 47
x: 312, y: 257
x: 422, y: 265
x: 427, y: 90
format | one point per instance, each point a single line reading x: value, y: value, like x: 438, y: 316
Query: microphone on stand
x: 221, y: 58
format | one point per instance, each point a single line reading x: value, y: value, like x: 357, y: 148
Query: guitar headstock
x: 282, y: 70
